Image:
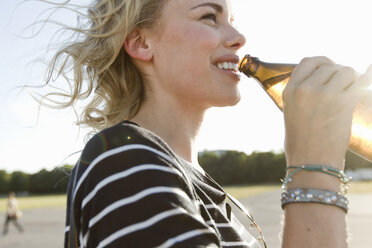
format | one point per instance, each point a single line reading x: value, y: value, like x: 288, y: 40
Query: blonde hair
x: 102, y: 71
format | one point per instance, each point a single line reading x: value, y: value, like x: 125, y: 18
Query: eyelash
x: 210, y: 16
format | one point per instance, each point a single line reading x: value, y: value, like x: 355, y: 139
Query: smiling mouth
x: 229, y: 66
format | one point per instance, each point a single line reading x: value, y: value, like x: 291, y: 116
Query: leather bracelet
x: 300, y: 195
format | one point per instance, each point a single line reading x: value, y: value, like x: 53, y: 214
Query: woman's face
x: 195, y: 53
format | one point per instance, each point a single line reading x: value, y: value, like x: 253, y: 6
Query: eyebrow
x: 217, y: 7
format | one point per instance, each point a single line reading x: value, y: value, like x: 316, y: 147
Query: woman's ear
x: 135, y: 45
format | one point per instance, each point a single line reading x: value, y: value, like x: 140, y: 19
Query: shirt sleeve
x: 135, y: 196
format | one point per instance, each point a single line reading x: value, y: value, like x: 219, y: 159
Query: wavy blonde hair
x: 102, y: 71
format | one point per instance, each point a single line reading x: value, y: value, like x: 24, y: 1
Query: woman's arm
x: 318, y: 105
x: 313, y: 224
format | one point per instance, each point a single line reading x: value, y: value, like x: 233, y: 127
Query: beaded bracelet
x: 322, y: 169
x: 322, y: 196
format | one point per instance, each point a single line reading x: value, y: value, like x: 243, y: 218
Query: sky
x: 276, y: 31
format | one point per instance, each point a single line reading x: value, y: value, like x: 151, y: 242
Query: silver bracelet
x: 322, y: 196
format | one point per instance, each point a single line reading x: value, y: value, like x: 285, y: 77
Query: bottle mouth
x: 247, y: 65
x: 243, y: 62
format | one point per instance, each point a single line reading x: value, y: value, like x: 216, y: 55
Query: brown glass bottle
x: 273, y: 77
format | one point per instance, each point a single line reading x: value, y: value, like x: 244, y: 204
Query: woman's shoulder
x: 122, y: 137
x: 124, y: 149
x: 127, y: 153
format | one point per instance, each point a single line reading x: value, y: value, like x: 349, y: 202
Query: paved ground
x: 45, y: 227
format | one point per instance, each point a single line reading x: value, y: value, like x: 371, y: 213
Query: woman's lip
x: 227, y: 58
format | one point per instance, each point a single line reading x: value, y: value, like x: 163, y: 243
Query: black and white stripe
x: 137, y: 193
x: 124, y: 174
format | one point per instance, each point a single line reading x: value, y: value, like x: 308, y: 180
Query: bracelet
x: 322, y: 196
x: 322, y: 169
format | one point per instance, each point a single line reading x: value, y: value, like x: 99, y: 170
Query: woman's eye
x: 210, y: 16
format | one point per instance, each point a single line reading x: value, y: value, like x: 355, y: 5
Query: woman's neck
x: 177, y: 125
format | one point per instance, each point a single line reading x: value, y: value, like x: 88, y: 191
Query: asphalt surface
x: 44, y: 228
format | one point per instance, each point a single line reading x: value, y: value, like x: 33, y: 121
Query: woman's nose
x: 234, y: 39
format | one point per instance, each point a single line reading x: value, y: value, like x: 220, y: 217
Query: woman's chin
x: 229, y: 101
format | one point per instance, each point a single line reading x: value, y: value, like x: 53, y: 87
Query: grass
x: 45, y: 201
x: 360, y: 187
x: 243, y: 191
x: 240, y: 191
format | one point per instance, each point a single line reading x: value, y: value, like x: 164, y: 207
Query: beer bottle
x: 273, y: 77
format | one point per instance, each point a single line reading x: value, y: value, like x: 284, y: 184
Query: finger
x: 304, y: 69
x: 322, y: 75
x: 307, y: 66
x: 342, y: 80
x: 356, y: 92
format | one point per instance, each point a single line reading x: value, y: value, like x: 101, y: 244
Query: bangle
x: 322, y: 196
x: 322, y: 169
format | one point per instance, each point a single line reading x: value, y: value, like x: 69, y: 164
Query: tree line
x: 43, y: 182
x: 233, y: 167
x: 226, y: 167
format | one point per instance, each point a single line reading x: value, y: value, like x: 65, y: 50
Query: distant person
x: 13, y: 213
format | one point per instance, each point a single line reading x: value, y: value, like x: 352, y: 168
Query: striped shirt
x: 129, y: 189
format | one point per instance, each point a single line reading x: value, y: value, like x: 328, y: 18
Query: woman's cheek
x: 203, y: 36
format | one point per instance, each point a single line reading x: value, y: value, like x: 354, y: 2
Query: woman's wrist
x: 319, y: 184
x: 337, y: 162
x: 310, y: 179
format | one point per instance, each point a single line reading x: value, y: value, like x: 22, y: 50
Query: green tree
x: 4, y: 182
x: 38, y: 182
x: 18, y: 181
x: 54, y: 181
x: 232, y: 167
x: 59, y: 178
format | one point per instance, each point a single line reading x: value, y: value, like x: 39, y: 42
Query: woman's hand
x: 319, y: 102
x: 318, y: 106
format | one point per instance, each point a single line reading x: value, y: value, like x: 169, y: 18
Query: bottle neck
x: 273, y: 77
x: 249, y: 65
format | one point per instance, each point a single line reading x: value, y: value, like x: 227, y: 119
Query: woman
x: 154, y: 68
x: 13, y: 213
